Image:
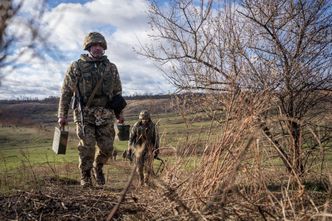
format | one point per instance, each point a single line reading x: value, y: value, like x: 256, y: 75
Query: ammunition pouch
x: 118, y: 103
x: 99, y: 101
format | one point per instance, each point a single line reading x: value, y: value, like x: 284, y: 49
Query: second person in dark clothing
x: 144, y: 142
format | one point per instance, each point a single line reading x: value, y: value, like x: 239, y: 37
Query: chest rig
x: 88, y: 74
x: 145, y: 133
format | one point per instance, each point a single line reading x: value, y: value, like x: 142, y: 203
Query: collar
x: 87, y: 58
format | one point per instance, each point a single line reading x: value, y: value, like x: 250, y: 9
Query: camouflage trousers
x: 103, y: 136
x: 144, y: 161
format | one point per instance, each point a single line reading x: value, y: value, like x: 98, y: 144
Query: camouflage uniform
x: 144, y: 139
x: 98, y: 118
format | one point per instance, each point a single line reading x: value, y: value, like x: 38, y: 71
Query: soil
x: 64, y: 199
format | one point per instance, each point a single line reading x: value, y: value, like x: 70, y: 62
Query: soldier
x: 144, y: 141
x: 94, y: 83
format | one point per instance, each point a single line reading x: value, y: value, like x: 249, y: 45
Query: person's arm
x: 131, y: 142
x: 132, y: 136
x: 117, y: 90
x: 117, y: 86
x: 66, y: 95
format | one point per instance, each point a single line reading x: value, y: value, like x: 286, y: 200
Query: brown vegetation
x: 263, y: 74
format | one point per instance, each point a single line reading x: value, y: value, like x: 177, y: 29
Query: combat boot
x: 86, y: 179
x: 99, y: 175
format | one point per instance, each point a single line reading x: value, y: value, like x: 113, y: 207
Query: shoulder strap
x: 94, y: 92
x: 96, y: 88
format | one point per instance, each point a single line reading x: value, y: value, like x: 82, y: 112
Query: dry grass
x: 58, y: 199
x: 234, y: 177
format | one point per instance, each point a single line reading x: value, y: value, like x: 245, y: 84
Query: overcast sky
x: 122, y: 23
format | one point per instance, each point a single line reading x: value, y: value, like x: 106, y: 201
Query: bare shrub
x: 261, y: 71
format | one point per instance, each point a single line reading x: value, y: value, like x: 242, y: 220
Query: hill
x: 44, y: 112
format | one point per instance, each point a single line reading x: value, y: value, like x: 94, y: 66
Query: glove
x: 62, y: 121
x: 120, y: 119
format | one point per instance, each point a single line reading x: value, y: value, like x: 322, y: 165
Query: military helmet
x: 93, y: 38
x: 144, y: 115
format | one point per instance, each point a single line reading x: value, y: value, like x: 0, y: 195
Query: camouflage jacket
x: 83, y: 75
x: 144, y: 133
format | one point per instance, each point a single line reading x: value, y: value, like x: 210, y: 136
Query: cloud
x: 66, y: 24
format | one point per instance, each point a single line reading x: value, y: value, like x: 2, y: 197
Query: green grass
x: 26, y: 156
x: 24, y: 150
x: 22, y: 145
x: 37, y: 154
x: 33, y: 146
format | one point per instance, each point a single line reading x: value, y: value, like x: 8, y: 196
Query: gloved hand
x: 62, y: 121
x: 120, y: 119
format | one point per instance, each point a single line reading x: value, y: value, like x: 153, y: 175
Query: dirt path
x: 59, y: 198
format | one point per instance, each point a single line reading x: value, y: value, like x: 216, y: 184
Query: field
x: 36, y: 184
x: 29, y: 163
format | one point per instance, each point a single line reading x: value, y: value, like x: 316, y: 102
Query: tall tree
x: 292, y: 46
x: 264, y: 58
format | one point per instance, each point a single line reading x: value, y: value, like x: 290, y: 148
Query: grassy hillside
x: 29, y: 127
x: 26, y: 132
x: 41, y: 113
x: 44, y: 184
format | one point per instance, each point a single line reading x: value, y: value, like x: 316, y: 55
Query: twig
x: 123, y: 194
x: 173, y: 196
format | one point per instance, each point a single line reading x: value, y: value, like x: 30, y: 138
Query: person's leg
x: 105, y: 138
x: 86, y: 151
x: 140, y: 155
x: 148, y: 165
